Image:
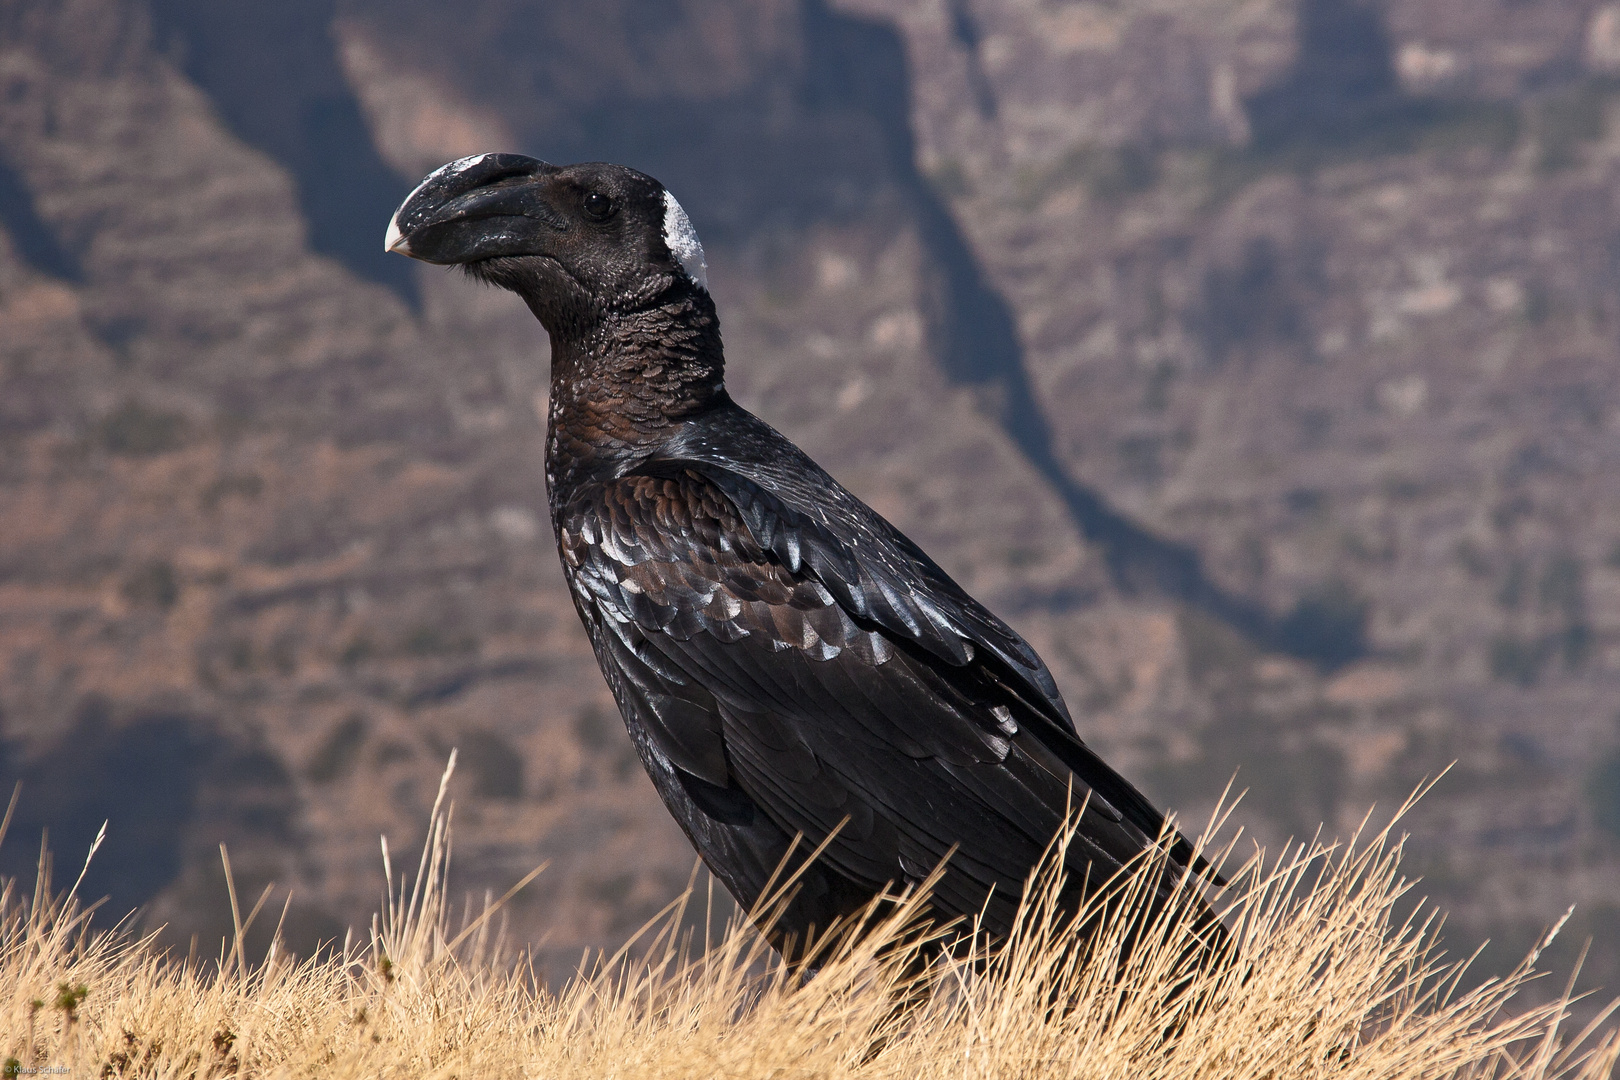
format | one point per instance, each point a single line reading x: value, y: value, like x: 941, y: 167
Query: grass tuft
x: 1329, y: 981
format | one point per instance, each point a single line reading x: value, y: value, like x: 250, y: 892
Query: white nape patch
x: 683, y: 242
x: 460, y: 165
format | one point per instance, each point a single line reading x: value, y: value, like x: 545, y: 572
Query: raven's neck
x: 621, y: 383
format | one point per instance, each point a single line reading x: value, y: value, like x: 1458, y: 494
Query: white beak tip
x: 393, y: 241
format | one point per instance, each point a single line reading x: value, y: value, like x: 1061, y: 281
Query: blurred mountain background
x: 1255, y: 358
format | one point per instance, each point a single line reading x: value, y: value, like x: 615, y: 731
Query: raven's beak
x: 477, y: 208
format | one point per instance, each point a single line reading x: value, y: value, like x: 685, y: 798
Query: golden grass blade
x: 478, y: 923
x: 234, y: 963
x: 11, y: 808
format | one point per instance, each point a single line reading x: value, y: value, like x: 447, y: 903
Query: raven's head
x: 575, y: 241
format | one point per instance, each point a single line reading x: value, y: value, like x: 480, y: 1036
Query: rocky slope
x: 1254, y: 359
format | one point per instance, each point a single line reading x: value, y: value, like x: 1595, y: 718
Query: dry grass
x: 1332, y: 984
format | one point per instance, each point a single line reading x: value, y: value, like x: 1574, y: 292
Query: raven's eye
x: 598, y: 207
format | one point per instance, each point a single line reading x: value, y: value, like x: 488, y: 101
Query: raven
x: 788, y: 663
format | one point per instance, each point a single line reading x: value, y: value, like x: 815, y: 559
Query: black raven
x: 787, y: 661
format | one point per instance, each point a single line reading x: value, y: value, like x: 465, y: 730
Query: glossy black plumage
x: 785, y: 659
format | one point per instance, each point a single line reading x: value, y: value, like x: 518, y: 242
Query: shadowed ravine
x: 861, y: 65
x: 311, y: 123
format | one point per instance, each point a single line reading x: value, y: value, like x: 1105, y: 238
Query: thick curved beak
x: 477, y: 208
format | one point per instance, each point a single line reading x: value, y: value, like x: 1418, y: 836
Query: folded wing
x: 781, y: 669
